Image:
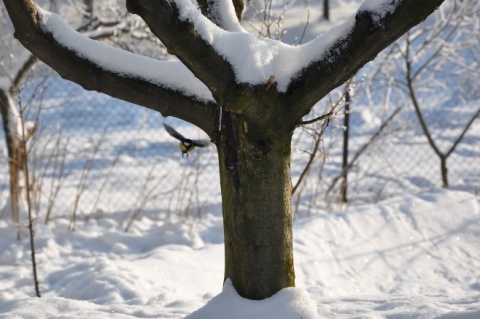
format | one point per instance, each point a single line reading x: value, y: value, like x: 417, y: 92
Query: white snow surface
x: 406, y: 257
x: 378, y: 8
x: 229, y: 17
x: 288, y: 303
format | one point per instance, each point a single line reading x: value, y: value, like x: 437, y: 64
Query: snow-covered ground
x: 406, y: 257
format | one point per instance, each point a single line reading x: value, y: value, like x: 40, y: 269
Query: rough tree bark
x: 256, y: 197
x: 254, y: 134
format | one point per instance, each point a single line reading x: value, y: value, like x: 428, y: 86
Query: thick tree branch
x: 91, y: 25
x: 92, y: 76
x: 181, y: 39
x: 372, y: 32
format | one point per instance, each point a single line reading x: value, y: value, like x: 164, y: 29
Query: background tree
x: 442, y: 39
x: 439, y: 60
x: 248, y: 107
x: 15, y: 63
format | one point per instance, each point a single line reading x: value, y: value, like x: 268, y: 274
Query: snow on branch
x: 345, y: 49
x: 123, y: 80
x: 379, y: 8
x: 254, y: 60
x: 170, y: 74
x: 214, y: 59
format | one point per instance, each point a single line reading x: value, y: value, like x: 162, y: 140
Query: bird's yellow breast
x: 186, y: 148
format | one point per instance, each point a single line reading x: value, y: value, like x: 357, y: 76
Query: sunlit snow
x: 407, y: 257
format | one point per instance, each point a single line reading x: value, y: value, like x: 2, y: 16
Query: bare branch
x: 325, y: 116
x: 29, y: 63
x: 416, y: 106
x: 318, y: 139
x: 465, y: 129
x: 363, y: 148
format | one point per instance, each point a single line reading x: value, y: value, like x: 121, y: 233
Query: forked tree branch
x: 372, y: 32
x: 173, y: 23
x: 92, y: 76
x: 182, y: 40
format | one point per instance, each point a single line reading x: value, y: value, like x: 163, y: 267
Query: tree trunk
x: 444, y: 171
x: 13, y: 152
x: 346, y: 137
x: 15, y: 140
x: 256, y: 196
x: 326, y: 9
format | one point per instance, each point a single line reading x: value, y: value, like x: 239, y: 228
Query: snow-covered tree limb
x: 376, y: 25
x: 35, y: 28
x: 234, y: 66
x: 176, y: 24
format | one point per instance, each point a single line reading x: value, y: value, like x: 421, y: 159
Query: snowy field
x: 407, y: 256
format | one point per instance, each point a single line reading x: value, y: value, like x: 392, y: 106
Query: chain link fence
x: 92, y: 155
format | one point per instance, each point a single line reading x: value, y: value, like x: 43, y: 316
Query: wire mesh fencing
x: 389, y: 155
x: 92, y: 155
